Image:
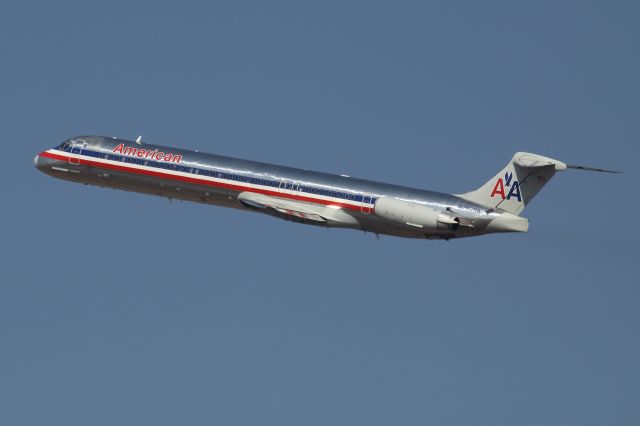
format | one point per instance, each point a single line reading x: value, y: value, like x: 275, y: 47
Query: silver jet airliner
x: 301, y: 195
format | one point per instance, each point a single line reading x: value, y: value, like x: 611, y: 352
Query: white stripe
x: 207, y: 178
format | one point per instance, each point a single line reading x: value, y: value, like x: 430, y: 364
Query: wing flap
x: 301, y: 215
x: 283, y: 207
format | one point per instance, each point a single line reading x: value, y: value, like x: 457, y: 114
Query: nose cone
x: 40, y: 162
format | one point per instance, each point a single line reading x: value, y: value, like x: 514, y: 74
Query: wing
x: 297, y: 210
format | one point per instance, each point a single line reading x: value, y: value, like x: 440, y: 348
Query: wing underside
x: 298, y: 211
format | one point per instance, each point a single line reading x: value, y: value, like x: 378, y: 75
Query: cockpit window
x: 64, y: 146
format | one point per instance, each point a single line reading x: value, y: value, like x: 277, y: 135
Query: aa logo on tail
x: 514, y: 185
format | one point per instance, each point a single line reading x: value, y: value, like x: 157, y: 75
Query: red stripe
x: 195, y: 180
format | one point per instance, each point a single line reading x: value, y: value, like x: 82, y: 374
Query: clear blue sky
x: 119, y: 308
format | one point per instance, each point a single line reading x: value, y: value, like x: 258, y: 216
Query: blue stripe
x: 222, y: 175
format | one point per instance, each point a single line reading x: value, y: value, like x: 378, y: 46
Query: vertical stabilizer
x: 516, y: 185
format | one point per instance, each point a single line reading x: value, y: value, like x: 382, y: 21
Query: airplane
x: 305, y: 196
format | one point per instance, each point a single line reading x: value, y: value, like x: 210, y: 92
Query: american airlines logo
x: 148, y: 153
x: 508, y: 182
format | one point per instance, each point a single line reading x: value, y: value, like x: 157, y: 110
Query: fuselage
x: 290, y: 193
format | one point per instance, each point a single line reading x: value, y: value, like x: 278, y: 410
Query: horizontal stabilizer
x: 519, y: 181
x: 525, y: 159
x: 591, y: 169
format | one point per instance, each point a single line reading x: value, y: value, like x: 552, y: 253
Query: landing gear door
x: 75, y: 149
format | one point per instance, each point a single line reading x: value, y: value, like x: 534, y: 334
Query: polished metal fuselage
x: 218, y: 180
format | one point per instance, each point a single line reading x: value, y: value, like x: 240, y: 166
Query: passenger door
x: 75, y: 149
x: 365, y: 207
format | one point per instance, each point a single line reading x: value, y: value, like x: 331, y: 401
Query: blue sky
x: 119, y: 308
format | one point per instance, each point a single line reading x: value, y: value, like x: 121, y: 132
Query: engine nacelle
x: 415, y: 215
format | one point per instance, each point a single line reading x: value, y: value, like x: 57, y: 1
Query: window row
x: 226, y: 176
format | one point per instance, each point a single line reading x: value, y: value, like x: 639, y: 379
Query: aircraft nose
x: 39, y: 162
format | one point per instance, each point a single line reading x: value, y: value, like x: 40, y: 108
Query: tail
x: 515, y: 186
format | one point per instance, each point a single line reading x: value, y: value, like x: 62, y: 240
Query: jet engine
x: 417, y: 215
